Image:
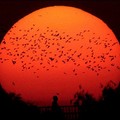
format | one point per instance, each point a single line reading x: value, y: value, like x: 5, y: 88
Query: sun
x: 54, y: 50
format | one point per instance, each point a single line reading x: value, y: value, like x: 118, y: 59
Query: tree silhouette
x: 108, y: 107
x: 13, y: 107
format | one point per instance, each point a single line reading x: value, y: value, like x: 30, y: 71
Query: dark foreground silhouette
x: 108, y: 107
x: 54, y: 112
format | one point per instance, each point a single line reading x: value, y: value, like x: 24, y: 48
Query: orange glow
x: 53, y: 51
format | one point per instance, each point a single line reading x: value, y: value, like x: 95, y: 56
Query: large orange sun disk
x: 53, y: 51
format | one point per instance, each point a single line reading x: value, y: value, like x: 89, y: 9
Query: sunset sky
x: 50, y: 28
x: 12, y: 11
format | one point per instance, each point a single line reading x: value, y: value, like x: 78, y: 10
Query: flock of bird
x: 51, y: 48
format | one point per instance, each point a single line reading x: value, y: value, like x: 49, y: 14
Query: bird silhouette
x: 53, y: 47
